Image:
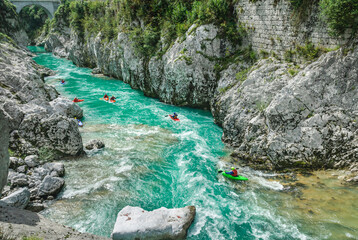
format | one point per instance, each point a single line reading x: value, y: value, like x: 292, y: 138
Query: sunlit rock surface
x: 136, y: 223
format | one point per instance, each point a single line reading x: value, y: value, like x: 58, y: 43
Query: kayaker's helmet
x: 175, y: 114
x: 232, y: 168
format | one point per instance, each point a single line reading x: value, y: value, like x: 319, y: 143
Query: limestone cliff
x: 40, y: 122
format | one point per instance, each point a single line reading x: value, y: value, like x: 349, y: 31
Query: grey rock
x: 37, y: 117
x: 136, y: 223
x: 19, y: 180
x: 4, y: 153
x: 95, y: 144
x: 35, y: 207
x: 28, y: 223
x: 58, y: 168
x: 50, y: 186
x: 40, y: 173
x: 32, y: 161
x: 18, y: 199
x: 305, y: 121
x: 22, y: 169
x: 66, y: 107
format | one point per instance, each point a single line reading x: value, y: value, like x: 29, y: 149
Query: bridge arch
x: 50, y: 6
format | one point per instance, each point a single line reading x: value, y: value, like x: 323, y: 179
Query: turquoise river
x: 151, y: 161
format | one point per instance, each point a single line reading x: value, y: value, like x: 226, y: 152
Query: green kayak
x: 241, y: 178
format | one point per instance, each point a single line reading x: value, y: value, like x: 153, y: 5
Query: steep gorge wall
x: 275, y: 114
x: 274, y: 26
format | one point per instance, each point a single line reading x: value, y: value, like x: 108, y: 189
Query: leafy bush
x: 340, y: 15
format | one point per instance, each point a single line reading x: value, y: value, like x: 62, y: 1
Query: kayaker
x: 233, y: 172
x: 75, y: 99
x: 112, y: 98
x: 105, y: 96
x: 175, y: 116
x: 62, y: 81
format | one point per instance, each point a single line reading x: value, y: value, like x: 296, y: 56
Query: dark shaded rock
x: 35, y: 207
x: 4, y: 153
x: 50, y: 186
x: 95, y: 144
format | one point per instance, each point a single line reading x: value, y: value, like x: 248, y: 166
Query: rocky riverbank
x: 41, y: 121
x: 276, y: 114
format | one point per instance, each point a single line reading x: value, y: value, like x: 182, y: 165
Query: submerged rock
x: 95, y: 144
x: 136, y: 223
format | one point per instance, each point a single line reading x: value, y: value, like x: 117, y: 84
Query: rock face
x: 136, y: 223
x: 41, y: 122
x: 4, y: 153
x: 19, y: 223
x: 309, y: 120
x: 184, y: 75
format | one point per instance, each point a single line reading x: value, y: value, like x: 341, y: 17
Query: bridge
x: 50, y: 6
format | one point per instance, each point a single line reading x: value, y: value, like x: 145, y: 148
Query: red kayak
x: 113, y: 101
x: 175, y: 119
x: 78, y: 100
x: 105, y: 99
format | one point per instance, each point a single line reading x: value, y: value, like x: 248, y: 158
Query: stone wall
x: 4, y: 154
x: 274, y: 26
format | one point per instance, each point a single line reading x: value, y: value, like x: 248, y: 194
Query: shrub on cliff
x: 340, y: 15
x: 148, y: 21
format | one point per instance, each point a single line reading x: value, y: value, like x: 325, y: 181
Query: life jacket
x: 235, y: 172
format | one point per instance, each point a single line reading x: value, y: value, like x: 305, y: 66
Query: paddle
x: 220, y: 171
x: 101, y: 98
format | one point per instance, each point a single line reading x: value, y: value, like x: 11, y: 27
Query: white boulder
x: 162, y: 223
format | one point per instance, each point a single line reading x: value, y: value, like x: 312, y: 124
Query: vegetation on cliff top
x: 148, y: 23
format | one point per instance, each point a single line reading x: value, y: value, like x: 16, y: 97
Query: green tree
x: 340, y: 15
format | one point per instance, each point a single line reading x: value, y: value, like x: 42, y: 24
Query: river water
x: 151, y: 161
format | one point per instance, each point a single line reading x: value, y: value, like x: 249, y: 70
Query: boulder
x: 55, y: 168
x: 19, y: 180
x: 50, y: 186
x: 95, y: 144
x: 21, y: 169
x: 18, y: 199
x: 32, y: 161
x: 56, y: 135
x: 66, y: 107
x: 136, y: 223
